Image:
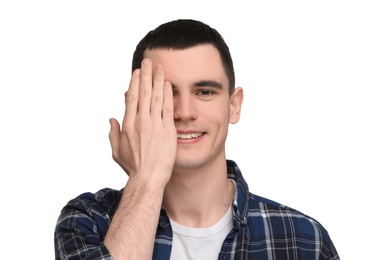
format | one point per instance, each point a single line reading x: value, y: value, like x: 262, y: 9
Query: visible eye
x: 205, y: 92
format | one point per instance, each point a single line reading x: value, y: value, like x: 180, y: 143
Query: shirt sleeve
x: 80, y: 230
x: 329, y: 252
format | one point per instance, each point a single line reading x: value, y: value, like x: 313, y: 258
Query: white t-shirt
x: 200, y: 243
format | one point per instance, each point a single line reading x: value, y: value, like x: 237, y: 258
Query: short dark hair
x: 182, y: 34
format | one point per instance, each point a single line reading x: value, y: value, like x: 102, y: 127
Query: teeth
x: 188, y: 136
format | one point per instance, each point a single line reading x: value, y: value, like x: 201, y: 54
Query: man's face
x: 202, y: 105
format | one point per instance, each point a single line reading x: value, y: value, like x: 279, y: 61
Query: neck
x: 198, y: 198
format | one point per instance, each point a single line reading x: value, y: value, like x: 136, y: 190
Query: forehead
x: 201, y: 62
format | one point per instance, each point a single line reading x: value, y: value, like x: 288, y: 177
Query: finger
x: 145, y: 88
x: 168, y: 104
x: 157, y: 93
x: 132, y: 99
x: 114, y: 137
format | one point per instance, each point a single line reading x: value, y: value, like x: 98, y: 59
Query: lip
x: 189, y: 137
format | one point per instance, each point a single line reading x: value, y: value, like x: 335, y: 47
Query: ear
x: 236, y: 100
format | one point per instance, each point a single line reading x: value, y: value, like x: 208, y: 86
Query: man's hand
x: 145, y: 148
x: 147, y: 142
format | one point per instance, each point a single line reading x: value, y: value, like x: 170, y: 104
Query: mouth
x: 189, y: 136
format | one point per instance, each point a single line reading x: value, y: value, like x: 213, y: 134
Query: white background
x: 311, y: 135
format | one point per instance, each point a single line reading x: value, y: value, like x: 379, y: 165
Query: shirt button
x: 163, y: 224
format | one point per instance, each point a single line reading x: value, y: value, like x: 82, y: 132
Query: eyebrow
x: 204, y: 83
x: 209, y: 83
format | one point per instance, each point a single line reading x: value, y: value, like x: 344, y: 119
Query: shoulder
x: 88, y: 212
x: 268, y: 219
x: 83, y: 224
x: 102, y: 203
x: 276, y: 212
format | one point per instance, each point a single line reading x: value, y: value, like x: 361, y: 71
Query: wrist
x: 148, y: 181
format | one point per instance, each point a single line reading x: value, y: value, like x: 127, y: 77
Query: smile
x: 189, y: 136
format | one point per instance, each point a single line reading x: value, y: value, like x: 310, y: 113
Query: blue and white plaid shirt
x: 263, y: 229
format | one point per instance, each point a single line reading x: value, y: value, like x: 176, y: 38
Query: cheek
x: 215, y: 113
x: 219, y: 122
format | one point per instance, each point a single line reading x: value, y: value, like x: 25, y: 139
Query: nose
x: 184, y: 107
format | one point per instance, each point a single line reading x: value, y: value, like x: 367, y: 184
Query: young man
x: 183, y: 198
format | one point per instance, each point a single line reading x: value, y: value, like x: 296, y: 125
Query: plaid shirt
x: 263, y: 229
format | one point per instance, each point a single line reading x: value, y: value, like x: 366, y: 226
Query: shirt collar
x: 241, y: 197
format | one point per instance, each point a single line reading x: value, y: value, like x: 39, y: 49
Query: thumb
x: 114, y: 137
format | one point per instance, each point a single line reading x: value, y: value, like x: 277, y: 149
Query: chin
x: 187, y: 163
